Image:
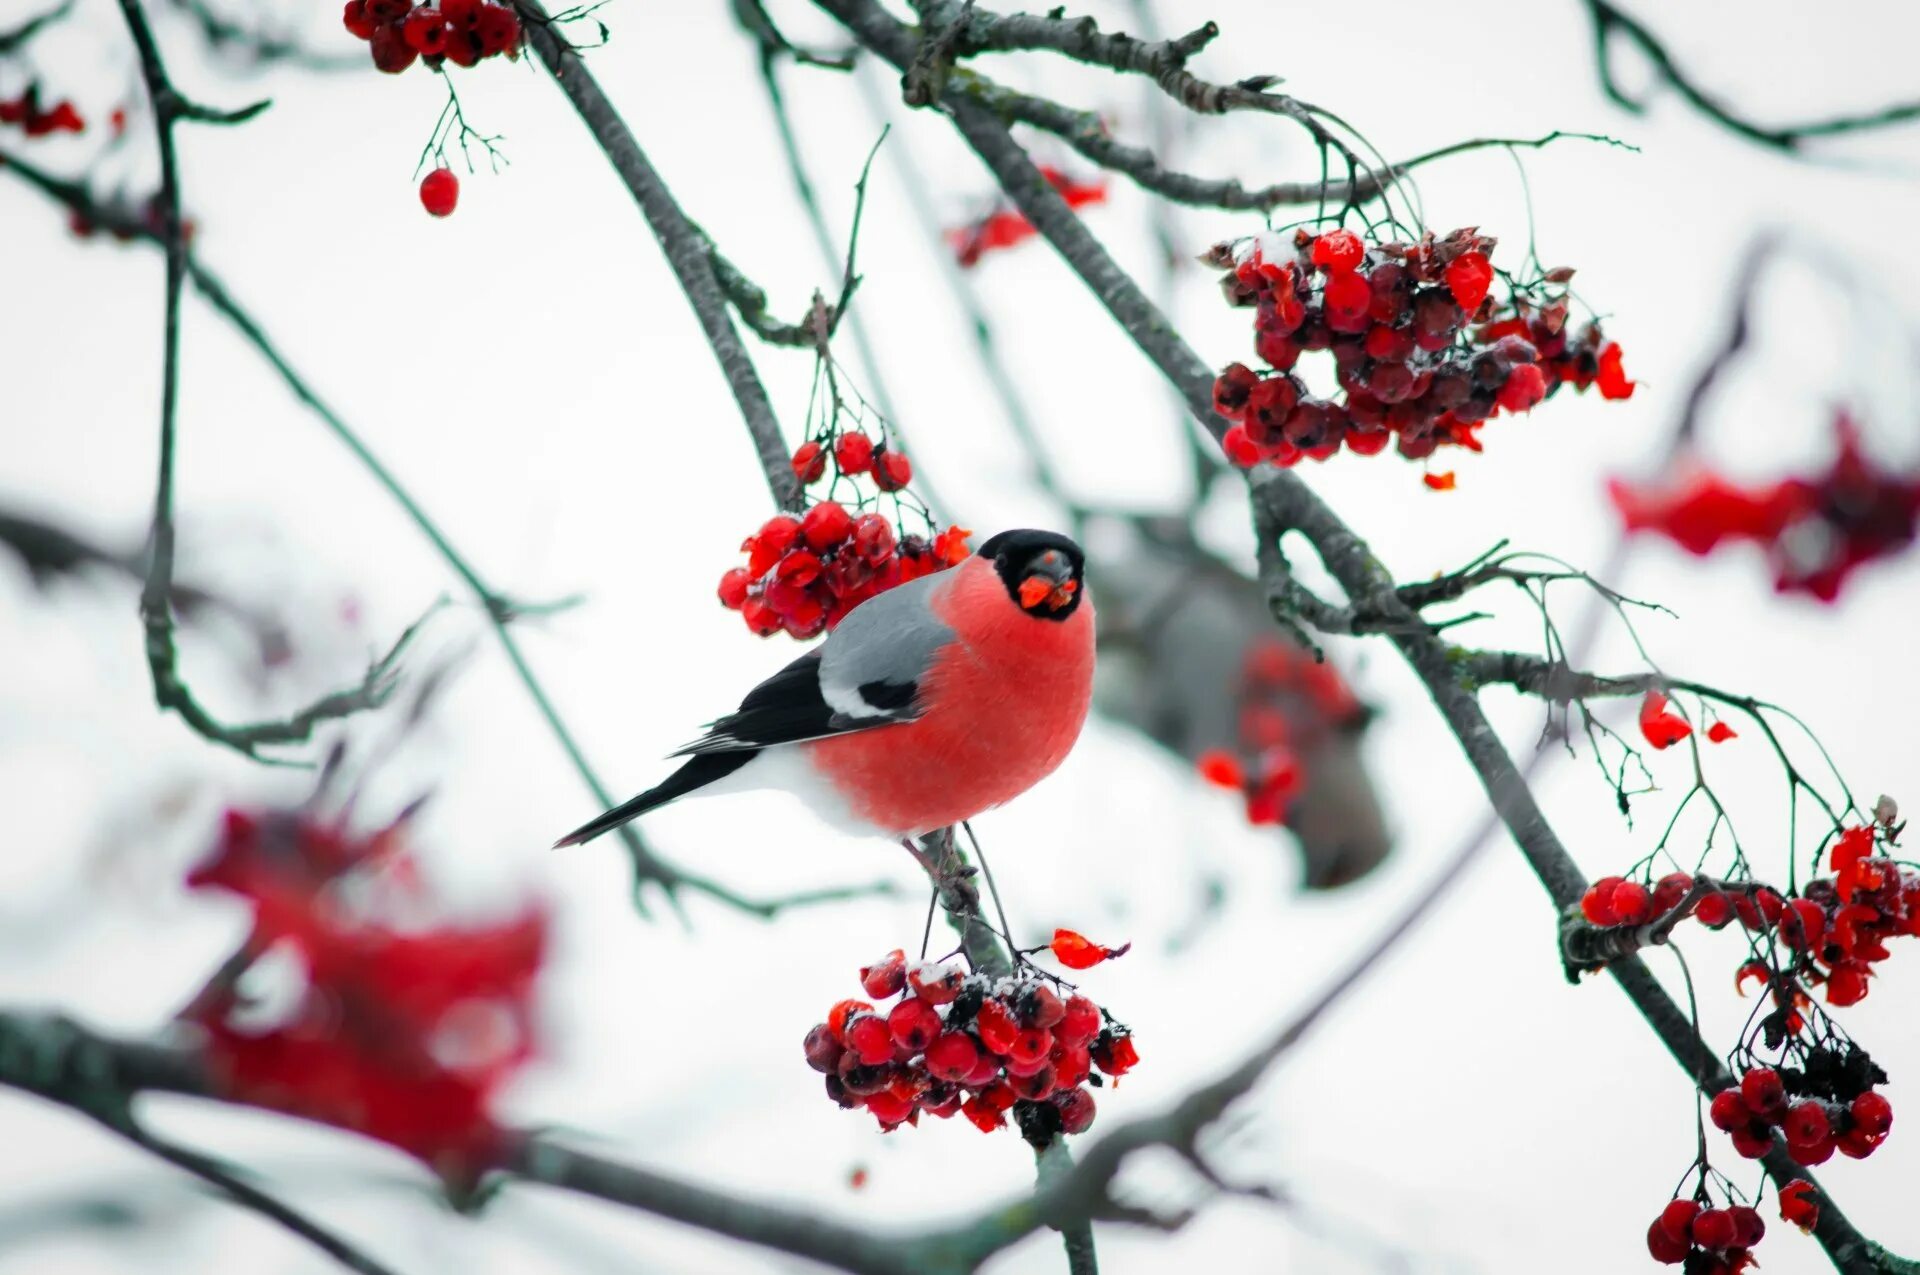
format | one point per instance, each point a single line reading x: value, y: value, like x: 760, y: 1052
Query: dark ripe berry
x: 388, y: 10
x: 1729, y: 1110
x: 1677, y: 1219
x: 1810, y: 1154
x: 1079, y: 1021
x: 1752, y: 1140
x: 1597, y: 903
x: 837, y: 1090
x: 357, y: 20
x: 935, y: 984
x: 392, y: 54
x: 440, y: 192
x: 1526, y: 385
x: 1748, y: 1226
x: 1806, y: 1123
x: 1764, y: 1094
x: 1435, y: 314
x: 1231, y: 387
x: 1802, y: 925
x: 888, y: 1107
x: 996, y: 1027
x: 426, y: 31
x: 868, y: 1036
x: 1338, y: 252
x: 942, y: 1101
x: 1315, y: 334
x: 1039, y: 1123
x: 826, y: 525
x: 733, y: 588
x: 497, y: 29
x: 891, y: 469
x: 864, y: 1078
x: 1664, y: 1248
x: 1417, y: 447
x: 809, y: 461
x: 1114, y: 1053
x: 1309, y: 424
x: 1872, y: 1113
x: 842, y: 1011
x: 823, y: 1051
x: 1272, y: 399
x: 1039, y: 1006
x: 914, y: 1024
x: 1713, y: 1229
x: 952, y: 1056
x: 1033, y: 1086
x: 1076, y: 1110
x: 1390, y: 382
x: 853, y: 452
x: 1713, y: 910
x: 1669, y: 890
x: 1478, y: 407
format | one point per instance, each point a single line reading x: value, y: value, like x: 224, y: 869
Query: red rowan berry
x: 1752, y: 1141
x: 1076, y: 1109
x: 1632, y: 905
x: 1338, y: 251
x: 1597, y: 903
x: 1872, y: 1113
x: 868, y: 1036
x: 996, y: 1027
x: 952, y: 1056
x: 853, y: 452
x: 1729, y: 1110
x: 837, y: 1017
x: 439, y: 191
x: 1764, y: 1094
x: 1800, y: 1204
x: 914, y: 1024
x: 891, y: 469
x: 1713, y: 1229
x: 809, y: 461
x: 1664, y: 1248
x: 733, y: 588
x: 1677, y: 1219
x: 822, y: 1049
x: 1806, y: 1123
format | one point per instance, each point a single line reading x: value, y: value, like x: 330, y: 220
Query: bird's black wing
x: 792, y: 706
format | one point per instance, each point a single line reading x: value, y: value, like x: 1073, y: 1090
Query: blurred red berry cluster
x: 1288, y: 700
x: 463, y: 32
x: 34, y: 120
x: 403, y: 1035
x: 1424, y: 351
x: 1005, y: 227
x: 804, y: 574
x: 1815, y: 530
x: 969, y: 1044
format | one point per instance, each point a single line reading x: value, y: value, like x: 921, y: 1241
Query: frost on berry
x: 1014, y: 1051
x: 1424, y: 349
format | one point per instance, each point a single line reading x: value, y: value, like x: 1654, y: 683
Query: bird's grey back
x: 890, y: 638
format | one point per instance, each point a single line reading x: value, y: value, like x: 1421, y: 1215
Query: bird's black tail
x: 698, y: 772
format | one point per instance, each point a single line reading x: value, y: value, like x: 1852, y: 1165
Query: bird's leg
x: 1006, y: 931
x: 926, y: 935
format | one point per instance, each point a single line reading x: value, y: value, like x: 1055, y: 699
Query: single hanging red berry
x: 439, y: 192
x: 854, y: 452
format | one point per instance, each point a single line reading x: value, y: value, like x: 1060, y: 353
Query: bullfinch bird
x: 928, y: 704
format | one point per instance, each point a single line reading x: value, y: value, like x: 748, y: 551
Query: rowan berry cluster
x: 804, y: 573
x: 463, y: 32
x: 35, y: 120
x: 969, y: 1044
x: 1815, y: 530
x: 1288, y: 700
x: 1424, y: 352
x: 1827, y: 1105
x: 1707, y: 1240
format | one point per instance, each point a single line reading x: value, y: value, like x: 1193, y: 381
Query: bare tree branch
x: 1610, y: 21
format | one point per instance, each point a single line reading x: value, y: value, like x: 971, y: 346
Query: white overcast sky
x: 529, y: 369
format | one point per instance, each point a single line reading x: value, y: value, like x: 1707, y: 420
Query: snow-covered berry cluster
x: 804, y: 573
x: 463, y: 32
x: 1827, y: 1105
x: 1287, y: 699
x: 969, y: 1044
x: 1423, y: 350
x: 1814, y: 530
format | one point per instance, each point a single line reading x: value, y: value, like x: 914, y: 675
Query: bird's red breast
x: 1005, y: 701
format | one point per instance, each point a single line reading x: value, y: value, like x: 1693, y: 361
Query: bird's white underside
x: 784, y: 768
